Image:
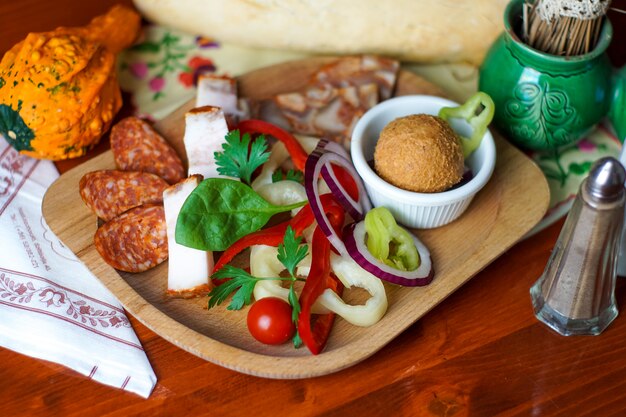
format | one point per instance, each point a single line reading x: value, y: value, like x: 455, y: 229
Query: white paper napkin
x: 51, y: 306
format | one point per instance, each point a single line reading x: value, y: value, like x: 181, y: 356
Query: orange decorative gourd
x: 59, y: 90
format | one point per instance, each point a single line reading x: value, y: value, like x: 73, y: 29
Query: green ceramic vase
x: 543, y: 100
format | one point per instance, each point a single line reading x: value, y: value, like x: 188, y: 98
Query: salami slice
x: 135, y: 241
x: 109, y: 193
x: 136, y: 146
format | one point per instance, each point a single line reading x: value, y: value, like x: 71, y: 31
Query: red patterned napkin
x: 51, y: 306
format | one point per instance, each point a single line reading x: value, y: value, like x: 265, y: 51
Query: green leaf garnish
x: 240, y: 280
x: 295, y: 304
x: 295, y: 313
x: 151, y: 47
x: 297, y: 341
x: 220, y: 211
x: 291, y: 175
x: 242, y: 283
x: 239, y: 158
x: 290, y: 252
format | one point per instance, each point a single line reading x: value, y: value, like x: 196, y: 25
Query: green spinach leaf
x: 220, y: 211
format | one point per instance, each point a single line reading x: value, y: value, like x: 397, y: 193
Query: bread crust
x: 410, y: 30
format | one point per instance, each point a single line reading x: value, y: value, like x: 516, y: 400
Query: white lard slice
x: 205, y: 131
x: 218, y: 91
x: 221, y: 91
x: 188, y: 269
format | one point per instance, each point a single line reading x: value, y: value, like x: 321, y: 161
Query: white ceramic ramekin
x: 417, y: 210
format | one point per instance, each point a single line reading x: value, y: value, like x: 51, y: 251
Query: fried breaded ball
x: 419, y: 153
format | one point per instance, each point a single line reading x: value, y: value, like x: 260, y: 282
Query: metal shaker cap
x: 606, y: 179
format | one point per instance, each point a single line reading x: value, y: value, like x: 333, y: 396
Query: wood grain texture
x: 500, y: 214
x: 478, y: 353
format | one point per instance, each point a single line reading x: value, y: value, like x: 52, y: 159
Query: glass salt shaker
x: 576, y: 293
x: 621, y: 261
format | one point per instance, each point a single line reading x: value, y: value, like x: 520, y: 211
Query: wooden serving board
x: 513, y: 201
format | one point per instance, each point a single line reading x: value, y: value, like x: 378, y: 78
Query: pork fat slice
x: 205, y: 131
x: 189, y: 269
x: 221, y: 91
x: 218, y: 91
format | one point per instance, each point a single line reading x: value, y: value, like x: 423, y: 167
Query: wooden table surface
x: 481, y: 352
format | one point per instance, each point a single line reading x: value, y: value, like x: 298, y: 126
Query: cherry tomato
x: 269, y: 321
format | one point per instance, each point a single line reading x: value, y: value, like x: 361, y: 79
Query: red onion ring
x: 356, y: 209
x: 312, y: 169
x: 354, y: 238
x: 334, y: 147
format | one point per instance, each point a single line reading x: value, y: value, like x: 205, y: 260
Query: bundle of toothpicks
x: 563, y: 27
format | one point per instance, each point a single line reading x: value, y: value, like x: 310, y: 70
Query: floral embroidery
x: 11, y: 164
x: 52, y: 297
x: 167, y: 63
x: 71, y: 305
x: 156, y: 84
x: 565, y: 163
x: 21, y: 289
x: 587, y: 146
x: 14, y: 170
x: 197, y: 65
x: 204, y: 42
x: 139, y: 69
x: 169, y: 52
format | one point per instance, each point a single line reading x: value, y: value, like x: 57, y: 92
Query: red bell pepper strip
x: 314, y: 330
x: 296, y: 151
x: 305, y: 216
x: 314, y: 333
x: 272, y: 236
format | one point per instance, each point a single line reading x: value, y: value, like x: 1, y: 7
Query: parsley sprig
x: 291, y: 175
x: 239, y: 158
x: 241, y: 282
x: 290, y: 253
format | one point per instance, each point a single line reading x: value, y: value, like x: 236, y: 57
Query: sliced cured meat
x: 205, y: 132
x: 136, y: 146
x: 109, y: 193
x: 324, y: 112
x: 333, y: 100
x: 135, y: 241
x: 220, y: 91
x: 188, y: 269
x: 357, y: 71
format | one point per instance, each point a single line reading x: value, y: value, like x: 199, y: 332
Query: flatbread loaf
x: 410, y: 30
